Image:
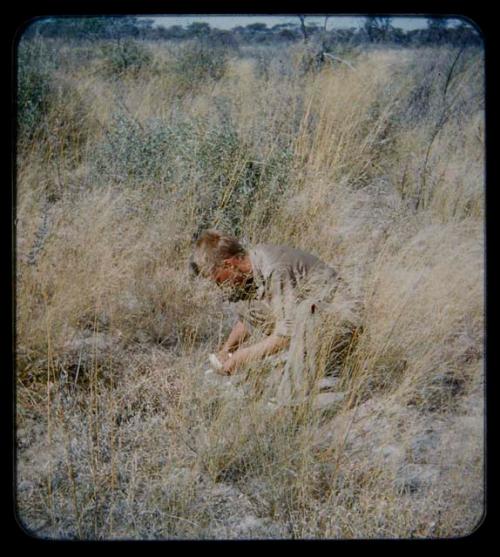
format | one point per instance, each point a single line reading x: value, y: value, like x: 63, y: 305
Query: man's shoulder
x: 272, y: 252
x: 266, y: 248
x: 284, y: 256
x: 284, y: 250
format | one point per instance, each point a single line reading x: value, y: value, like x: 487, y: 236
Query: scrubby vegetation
x: 125, y: 151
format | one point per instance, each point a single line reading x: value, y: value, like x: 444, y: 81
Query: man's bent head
x: 220, y: 257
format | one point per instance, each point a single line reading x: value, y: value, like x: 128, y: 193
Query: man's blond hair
x: 211, y: 249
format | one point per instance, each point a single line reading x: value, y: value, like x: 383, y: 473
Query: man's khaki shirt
x: 283, y: 277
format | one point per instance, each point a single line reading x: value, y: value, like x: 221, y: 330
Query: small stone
x: 391, y: 453
x: 249, y: 525
x: 214, y: 361
x: 328, y: 401
x: 423, y: 444
x: 414, y: 477
x: 328, y: 383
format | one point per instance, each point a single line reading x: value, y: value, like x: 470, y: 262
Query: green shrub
x: 211, y: 162
x: 197, y: 61
x: 34, y: 86
x: 144, y: 153
x: 51, y: 111
x: 125, y: 56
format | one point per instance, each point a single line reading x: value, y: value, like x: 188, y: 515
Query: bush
x: 199, y: 156
x: 34, y: 87
x: 127, y: 56
x: 198, y: 61
x: 150, y: 153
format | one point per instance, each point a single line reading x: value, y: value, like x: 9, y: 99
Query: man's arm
x: 270, y: 345
x: 237, y: 335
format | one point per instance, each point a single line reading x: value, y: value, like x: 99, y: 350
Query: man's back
x: 284, y: 276
x: 290, y: 264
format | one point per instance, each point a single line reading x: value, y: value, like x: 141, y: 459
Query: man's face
x: 231, y: 273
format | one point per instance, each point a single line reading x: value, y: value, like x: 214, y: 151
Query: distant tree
x: 103, y: 27
x: 303, y: 28
x: 197, y: 28
x: 398, y: 36
x: 436, y: 28
x: 222, y: 37
x: 288, y: 34
x: 176, y: 32
x: 281, y: 26
x: 318, y: 39
x: 256, y: 27
x: 416, y: 37
x: 145, y: 27
x: 254, y: 32
x: 378, y: 28
x: 437, y: 23
x: 465, y: 34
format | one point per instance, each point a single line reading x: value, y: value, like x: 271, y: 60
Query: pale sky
x: 339, y: 22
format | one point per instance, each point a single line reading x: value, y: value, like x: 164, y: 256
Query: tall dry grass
x: 378, y: 170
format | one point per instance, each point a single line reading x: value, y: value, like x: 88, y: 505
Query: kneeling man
x: 273, y: 287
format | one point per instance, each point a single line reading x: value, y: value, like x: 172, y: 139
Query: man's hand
x: 231, y: 364
x: 226, y: 359
x: 223, y: 356
x: 270, y: 345
x: 237, y: 335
